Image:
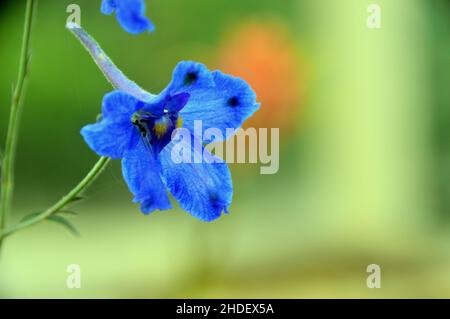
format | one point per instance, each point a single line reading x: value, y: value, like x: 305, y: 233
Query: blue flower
x: 140, y: 133
x: 130, y: 14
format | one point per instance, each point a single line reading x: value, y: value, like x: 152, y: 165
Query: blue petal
x: 158, y: 103
x: 118, y: 106
x: 176, y: 103
x: 189, y: 77
x: 114, y: 134
x: 110, y: 139
x: 204, y: 190
x: 220, y: 101
x: 141, y: 171
x: 108, y: 7
x: 130, y: 14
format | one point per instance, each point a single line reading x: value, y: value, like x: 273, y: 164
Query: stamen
x: 179, y: 122
x: 160, y: 127
x: 137, y: 121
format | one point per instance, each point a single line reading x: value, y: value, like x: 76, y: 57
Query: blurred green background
x: 364, y: 160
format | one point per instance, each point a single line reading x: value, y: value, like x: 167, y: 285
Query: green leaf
x: 30, y: 216
x: 64, y: 222
x: 76, y: 199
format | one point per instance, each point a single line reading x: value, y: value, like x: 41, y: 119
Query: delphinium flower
x: 144, y: 131
x: 130, y: 14
x: 140, y: 133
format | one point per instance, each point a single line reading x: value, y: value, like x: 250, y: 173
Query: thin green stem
x: 63, y: 202
x: 7, y: 171
x: 121, y: 82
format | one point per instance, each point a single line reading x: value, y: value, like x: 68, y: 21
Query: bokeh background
x: 364, y: 171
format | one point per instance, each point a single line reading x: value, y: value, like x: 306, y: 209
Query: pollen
x: 160, y: 128
x: 179, y: 122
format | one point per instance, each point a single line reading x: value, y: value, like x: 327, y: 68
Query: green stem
x: 63, y: 202
x: 7, y: 172
x: 119, y: 81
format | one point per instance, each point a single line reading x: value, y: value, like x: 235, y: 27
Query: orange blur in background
x: 265, y: 55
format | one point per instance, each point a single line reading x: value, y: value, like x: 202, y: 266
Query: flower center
x: 156, y: 130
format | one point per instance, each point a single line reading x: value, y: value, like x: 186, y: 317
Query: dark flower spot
x: 190, y: 78
x: 234, y: 101
x: 215, y: 202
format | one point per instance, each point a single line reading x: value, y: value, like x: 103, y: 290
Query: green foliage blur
x: 364, y: 153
